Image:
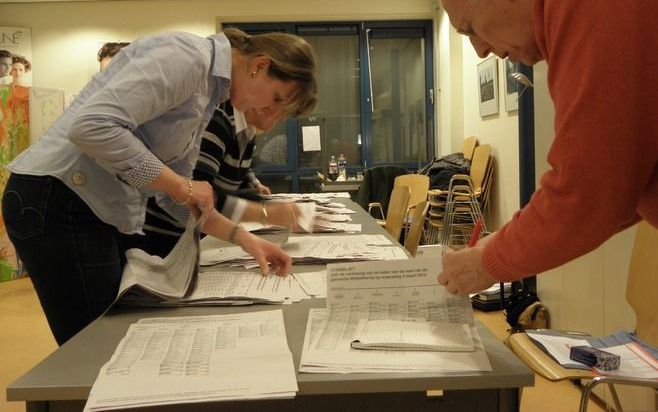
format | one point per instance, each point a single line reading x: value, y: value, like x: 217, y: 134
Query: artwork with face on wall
x: 21, y: 71
x: 15, y: 79
x: 5, y: 67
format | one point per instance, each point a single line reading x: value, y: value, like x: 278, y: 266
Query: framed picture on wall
x: 511, y: 86
x: 488, y: 86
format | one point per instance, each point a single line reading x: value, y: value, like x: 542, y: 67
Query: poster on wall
x: 46, y: 105
x: 488, y: 86
x: 16, y: 42
x: 15, y: 82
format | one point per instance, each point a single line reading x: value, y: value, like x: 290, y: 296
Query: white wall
x: 459, y: 118
x: 66, y: 35
x: 501, y: 131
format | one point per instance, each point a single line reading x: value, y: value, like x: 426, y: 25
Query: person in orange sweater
x: 604, y: 157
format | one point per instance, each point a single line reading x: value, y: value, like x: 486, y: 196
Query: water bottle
x: 333, y: 169
x: 342, y: 168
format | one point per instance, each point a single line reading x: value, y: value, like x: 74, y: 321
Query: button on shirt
x: 147, y: 109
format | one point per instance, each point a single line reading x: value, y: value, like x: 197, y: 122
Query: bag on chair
x: 525, y: 311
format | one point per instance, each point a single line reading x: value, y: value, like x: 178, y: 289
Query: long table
x: 62, y: 381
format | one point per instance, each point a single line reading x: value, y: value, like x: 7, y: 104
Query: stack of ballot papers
x: 391, y: 296
x: 154, y: 278
x: 176, y: 280
x: 311, y: 250
x: 179, y: 360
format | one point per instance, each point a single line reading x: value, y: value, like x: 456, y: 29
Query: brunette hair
x: 110, y: 49
x: 292, y: 59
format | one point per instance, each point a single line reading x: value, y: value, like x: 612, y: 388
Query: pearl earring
x: 253, y: 74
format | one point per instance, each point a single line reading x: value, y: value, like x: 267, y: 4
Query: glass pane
x: 309, y: 184
x: 398, y: 89
x: 272, y: 148
x: 277, y: 183
x: 337, y: 112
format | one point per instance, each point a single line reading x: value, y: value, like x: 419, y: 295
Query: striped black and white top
x: 224, y: 161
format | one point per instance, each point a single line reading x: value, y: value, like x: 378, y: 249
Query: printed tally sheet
x: 405, y: 289
x: 197, y: 359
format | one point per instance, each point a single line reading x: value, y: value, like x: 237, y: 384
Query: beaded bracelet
x: 189, y: 195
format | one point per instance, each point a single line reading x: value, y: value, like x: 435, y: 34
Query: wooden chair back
x: 642, y: 283
x: 418, y: 184
x: 416, y: 228
x: 479, y: 166
x: 397, y: 210
x: 468, y: 146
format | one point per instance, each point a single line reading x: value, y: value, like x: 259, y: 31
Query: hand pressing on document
x: 463, y: 272
x: 267, y: 254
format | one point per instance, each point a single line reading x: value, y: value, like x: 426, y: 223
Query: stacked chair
x: 454, y: 212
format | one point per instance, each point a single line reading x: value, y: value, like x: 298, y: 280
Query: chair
x: 468, y: 146
x: 476, y: 186
x: 376, y: 187
x: 641, y: 289
x: 397, y: 210
x: 416, y: 227
x: 418, y: 184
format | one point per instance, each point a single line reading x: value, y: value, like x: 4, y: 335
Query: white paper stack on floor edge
x: 393, y: 290
x: 195, y: 359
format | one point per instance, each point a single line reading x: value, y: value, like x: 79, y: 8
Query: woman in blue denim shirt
x: 134, y: 132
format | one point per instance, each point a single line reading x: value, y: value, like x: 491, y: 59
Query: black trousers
x: 74, y: 259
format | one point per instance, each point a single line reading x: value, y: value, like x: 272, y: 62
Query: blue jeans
x: 74, y: 259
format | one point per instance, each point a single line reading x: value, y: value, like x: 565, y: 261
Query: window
x: 374, y: 102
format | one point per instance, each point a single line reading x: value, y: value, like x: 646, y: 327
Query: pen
x: 475, y: 235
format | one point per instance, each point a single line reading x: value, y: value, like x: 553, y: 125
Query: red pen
x: 475, y: 235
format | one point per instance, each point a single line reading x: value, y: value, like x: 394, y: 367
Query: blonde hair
x: 292, y: 59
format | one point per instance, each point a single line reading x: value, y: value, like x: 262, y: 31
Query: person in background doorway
x: 604, y: 157
x: 107, y: 52
x: 132, y: 133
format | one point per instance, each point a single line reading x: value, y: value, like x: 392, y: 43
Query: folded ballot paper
x: 176, y: 280
x: 388, y: 334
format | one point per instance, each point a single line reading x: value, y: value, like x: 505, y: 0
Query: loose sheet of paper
x: 197, y: 359
x: 311, y: 138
